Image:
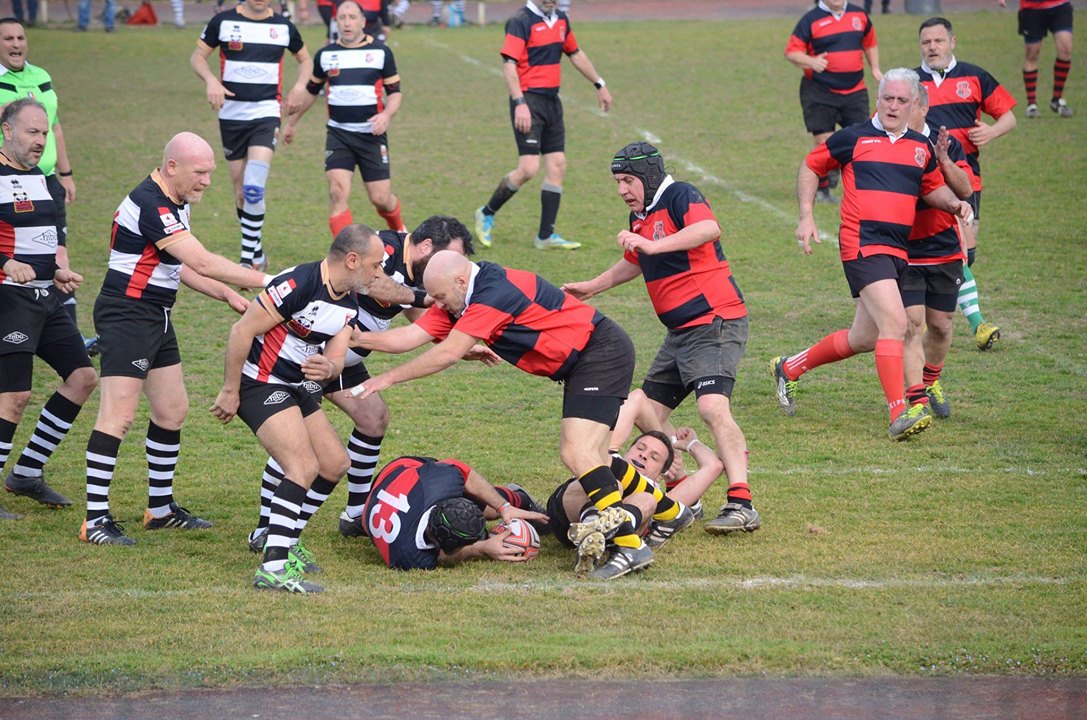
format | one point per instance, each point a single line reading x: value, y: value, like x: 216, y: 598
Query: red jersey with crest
x: 882, y: 180
x: 844, y: 39
x: 935, y: 239
x: 399, y: 506
x: 526, y: 320
x: 537, y: 43
x: 957, y: 98
x: 310, y: 312
x: 687, y: 287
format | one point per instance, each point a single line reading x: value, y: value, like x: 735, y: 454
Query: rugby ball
x: 522, y: 536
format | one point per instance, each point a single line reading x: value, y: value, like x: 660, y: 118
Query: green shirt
x: 33, y: 81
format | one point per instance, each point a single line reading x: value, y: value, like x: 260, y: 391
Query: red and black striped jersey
x: 881, y: 180
x: 356, y: 79
x: 957, y: 98
x: 399, y: 505
x: 687, y: 287
x: 375, y: 315
x: 146, y: 224
x: 1041, y: 4
x: 844, y: 39
x: 537, y: 43
x: 28, y: 224
x: 310, y: 313
x: 526, y: 320
x: 935, y: 239
x: 251, y: 61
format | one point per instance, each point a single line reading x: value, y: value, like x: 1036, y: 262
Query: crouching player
x: 422, y: 512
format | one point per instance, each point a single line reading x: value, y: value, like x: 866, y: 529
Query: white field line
x: 571, y: 584
x: 648, y: 136
x: 894, y: 471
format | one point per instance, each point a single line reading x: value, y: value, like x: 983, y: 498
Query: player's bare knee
x: 13, y: 404
x: 81, y: 383
x: 335, y: 466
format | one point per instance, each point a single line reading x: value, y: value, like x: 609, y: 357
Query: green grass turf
x: 961, y: 551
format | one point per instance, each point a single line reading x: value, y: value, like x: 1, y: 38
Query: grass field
x: 960, y: 552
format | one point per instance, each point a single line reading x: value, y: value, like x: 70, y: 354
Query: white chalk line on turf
x: 650, y: 137
x: 1061, y: 472
x: 571, y: 584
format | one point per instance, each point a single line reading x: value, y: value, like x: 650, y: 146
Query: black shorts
x: 703, y: 358
x: 934, y: 286
x: 824, y: 110
x: 559, y: 524
x: 1035, y: 24
x: 134, y: 337
x: 260, y: 400
x: 548, y: 131
x: 56, y: 191
x: 344, y: 150
x: 33, y: 322
x: 600, y: 380
x: 240, y: 135
x: 862, y: 272
x: 351, y: 376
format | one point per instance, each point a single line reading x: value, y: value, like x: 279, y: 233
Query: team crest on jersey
x: 368, y: 58
x: 920, y: 156
x: 302, y: 324
x: 857, y: 25
x: 334, y: 66
x: 235, y: 42
x: 273, y: 33
x: 658, y: 230
x: 562, y: 33
x: 20, y: 199
x: 963, y: 89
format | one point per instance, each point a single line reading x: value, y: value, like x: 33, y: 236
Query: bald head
x: 187, y: 162
x: 446, y: 279
x: 187, y: 147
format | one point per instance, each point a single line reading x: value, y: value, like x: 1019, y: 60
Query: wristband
x: 691, y: 444
x: 64, y: 174
x: 420, y: 298
x: 503, y: 506
x: 519, y: 101
x: 599, y: 83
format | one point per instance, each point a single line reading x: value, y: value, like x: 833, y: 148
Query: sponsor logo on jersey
x: 250, y: 72
x: 279, y: 292
x: 871, y: 141
x: 47, y: 238
x: 590, y: 389
x: 277, y: 397
x: 16, y: 338
x: 920, y: 156
x: 142, y: 364
x: 963, y: 89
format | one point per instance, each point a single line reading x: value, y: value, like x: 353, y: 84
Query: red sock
x: 832, y: 348
x: 393, y: 219
x: 889, y: 369
x: 1030, y: 82
x: 339, y: 222
x: 931, y: 373
x: 916, y: 395
x: 1061, y: 69
x: 738, y: 491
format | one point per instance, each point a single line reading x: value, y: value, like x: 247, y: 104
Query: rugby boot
x: 733, y: 518
x: 937, y: 401
x: 1060, y: 107
x: 351, y: 527
x: 91, y: 344
x: 6, y: 515
x: 661, y: 531
x: 484, y: 226
x: 106, y: 531
x: 605, y: 522
x: 290, y: 579
x: 910, y: 422
x: 179, y: 518
x: 622, y: 561
x: 305, y: 559
x: 257, y: 538
x: 986, y: 335
x: 783, y: 386
x: 35, y: 488
x: 1033, y: 111
x: 589, y: 550
x: 556, y: 242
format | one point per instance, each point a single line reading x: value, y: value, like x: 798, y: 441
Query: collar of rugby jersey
x: 550, y: 20
x: 407, y: 258
x: 471, y: 283
x: 156, y: 175
x: 668, y: 180
x: 879, y: 126
x: 939, y: 75
x: 328, y: 283
x: 837, y: 16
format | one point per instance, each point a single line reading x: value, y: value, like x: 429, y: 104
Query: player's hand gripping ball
x: 522, y: 536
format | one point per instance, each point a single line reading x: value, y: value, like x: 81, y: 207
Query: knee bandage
x: 253, y: 182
